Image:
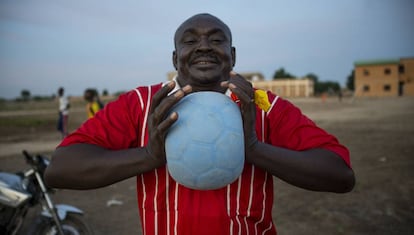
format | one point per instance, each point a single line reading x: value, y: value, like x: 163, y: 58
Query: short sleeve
x: 290, y: 128
x: 114, y: 127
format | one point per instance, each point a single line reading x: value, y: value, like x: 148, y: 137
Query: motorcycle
x: 21, y: 192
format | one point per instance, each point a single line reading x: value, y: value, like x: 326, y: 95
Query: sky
x: 119, y: 45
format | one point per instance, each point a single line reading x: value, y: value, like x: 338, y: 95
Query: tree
x: 328, y: 86
x: 281, y: 74
x: 25, y: 94
x: 350, y: 81
x: 313, y: 77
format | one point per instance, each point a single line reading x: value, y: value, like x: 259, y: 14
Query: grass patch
x: 24, y: 121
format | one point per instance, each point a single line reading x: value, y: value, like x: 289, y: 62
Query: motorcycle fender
x: 62, y: 211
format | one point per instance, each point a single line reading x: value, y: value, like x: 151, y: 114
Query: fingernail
x: 179, y: 93
x: 173, y: 115
x: 187, y: 88
x: 171, y: 84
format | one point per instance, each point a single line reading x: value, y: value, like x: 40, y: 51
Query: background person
x: 63, y: 117
x: 93, y: 102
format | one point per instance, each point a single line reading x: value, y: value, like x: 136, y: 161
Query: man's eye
x: 216, y: 40
x: 189, y: 41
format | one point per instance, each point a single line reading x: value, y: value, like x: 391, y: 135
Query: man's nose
x: 204, y: 44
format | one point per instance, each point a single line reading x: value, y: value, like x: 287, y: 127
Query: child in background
x: 94, y: 104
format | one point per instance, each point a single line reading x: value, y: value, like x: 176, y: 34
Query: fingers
x: 159, y: 119
x: 161, y: 94
x: 162, y: 103
x: 242, y: 88
x: 245, y: 92
x: 165, y: 124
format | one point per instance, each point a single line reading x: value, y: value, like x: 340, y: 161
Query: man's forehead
x: 203, y: 21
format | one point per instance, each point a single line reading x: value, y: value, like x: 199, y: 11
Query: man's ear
x: 174, y: 59
x: 233, y: 55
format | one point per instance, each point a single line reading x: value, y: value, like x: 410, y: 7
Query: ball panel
x: 208, y: 180
x: 207, y: 126
x: 232, y: 158
x: 198, y: 157
x: 175, y: 170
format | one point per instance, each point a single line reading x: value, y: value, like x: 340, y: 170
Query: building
x: 303, y: 87
x: 379, y: 78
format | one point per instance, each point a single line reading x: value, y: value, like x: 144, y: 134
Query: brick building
x: 379, y: 78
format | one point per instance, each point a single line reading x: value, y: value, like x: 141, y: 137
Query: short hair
x: 202, y: 15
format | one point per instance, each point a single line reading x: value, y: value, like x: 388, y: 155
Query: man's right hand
x: 160, y: 120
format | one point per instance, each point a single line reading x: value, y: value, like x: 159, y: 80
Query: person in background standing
x: 94, y: 104
x: 64, y: 106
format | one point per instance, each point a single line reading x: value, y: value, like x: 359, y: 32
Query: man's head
x: 89, y: 95
x: 204, y: 55
x: 61, y: 91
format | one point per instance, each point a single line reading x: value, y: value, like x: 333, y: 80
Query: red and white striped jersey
x: 166, y: 207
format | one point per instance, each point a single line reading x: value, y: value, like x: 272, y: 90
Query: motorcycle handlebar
x: 38, y: 162
x: 29, y: 158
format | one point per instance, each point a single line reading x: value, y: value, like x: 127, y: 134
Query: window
x: 401, y: 69
x: 366, y: 72
x: 387, y: 71
x: 365, y: 88
x: 387, y: 87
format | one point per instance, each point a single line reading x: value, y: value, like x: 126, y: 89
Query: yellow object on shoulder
x: 261, y: 100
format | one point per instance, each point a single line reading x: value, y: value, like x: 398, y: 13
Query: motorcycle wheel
x: 73, y: 224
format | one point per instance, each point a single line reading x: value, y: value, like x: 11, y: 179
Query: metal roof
x: 376, y: 62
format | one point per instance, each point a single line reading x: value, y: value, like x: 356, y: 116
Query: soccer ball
x: 205, y: 146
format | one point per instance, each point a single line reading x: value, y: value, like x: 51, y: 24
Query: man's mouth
x: 204, y: 61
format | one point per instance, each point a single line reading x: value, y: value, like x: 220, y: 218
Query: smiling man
x: 127, y: 139
x: 204, y: 55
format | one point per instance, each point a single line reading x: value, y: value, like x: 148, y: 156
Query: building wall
x: 288, y: 87
x: 384, y: 78
x: 407, y: 76
x: 376, y: 80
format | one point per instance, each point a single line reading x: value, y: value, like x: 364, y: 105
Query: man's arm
x: 87, y: 166
x: 314, y: 169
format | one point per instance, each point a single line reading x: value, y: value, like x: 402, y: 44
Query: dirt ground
x: 378, y: 131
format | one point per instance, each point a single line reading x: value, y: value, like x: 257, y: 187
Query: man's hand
x: 244, y: 91
x: 159, y: 122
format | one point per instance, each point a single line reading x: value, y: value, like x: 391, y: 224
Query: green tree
x: 328, y: 86
x: 25, y: 94
x: 281, y: 74
x: 312, y: 76
x: 350, y: 81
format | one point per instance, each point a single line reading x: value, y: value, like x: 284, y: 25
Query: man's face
x: 204, y: 56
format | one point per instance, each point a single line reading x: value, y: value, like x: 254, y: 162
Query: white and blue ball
x: 205, y: 146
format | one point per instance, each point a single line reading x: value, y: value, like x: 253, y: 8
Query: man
x: 63, y: 118
x: 127, y: 139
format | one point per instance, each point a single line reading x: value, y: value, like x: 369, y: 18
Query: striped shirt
x: 166, y: 207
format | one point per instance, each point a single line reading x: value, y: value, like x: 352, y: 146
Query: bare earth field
x: 379, y: 133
